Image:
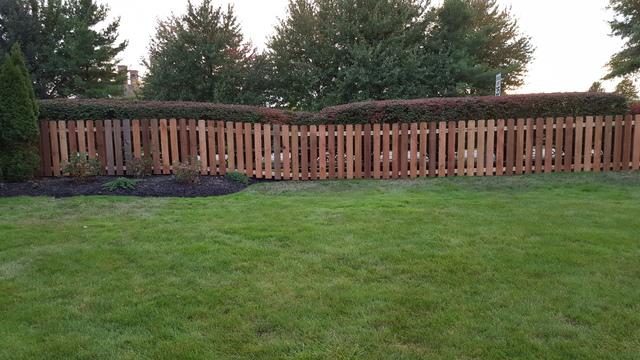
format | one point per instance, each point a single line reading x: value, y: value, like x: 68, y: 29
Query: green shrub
x: 19, y: 165
x: 187, y: 172
x: 140, y: 168
x: 81, y: 167
x: 18, y: 119
x: 121, y: 183
x: 238, y: 177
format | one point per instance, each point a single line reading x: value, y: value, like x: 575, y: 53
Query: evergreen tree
x: 628, y: 89
x: 18, y: 119
x: 200, y: 56
x: 70, y: 49
x: 596, y: 87
x: 472, y: 41
x: 625, y: 25
x: 327, y: 52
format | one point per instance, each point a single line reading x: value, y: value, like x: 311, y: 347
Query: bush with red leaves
x: 634, y: 108
x: 477, y: 108
x: 390, y: 111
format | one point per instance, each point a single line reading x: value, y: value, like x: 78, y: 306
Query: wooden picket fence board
x: 492, y: 147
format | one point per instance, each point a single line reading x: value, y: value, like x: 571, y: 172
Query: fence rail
x: 378, y: 151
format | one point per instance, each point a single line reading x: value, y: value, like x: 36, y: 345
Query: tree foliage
x: 596, y: 87
x: 18, y: 119
x: 627, y: 88
x: 472, y: 41
x: 625, y: 25
x: 328, y: 52
x: 202, y: 56
x: 70, y: 49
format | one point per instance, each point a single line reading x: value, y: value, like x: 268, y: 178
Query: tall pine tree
x: 70, y: 47
x: 327, y: 52
x: 200, y: 56
x: 626, y: 26
x: 472, y: 41
x: 18, y: 119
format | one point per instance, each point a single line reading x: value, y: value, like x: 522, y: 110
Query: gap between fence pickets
x: 377, y: 151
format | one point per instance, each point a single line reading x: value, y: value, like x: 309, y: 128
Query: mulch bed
x: 155, y: 186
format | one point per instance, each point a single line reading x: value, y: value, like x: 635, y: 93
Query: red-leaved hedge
x: 477, y: 108
x: 102, y: 109
x: 433, y: 109
x: 634, y: 108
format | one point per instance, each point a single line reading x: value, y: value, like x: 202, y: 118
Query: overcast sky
x: 571, y: 36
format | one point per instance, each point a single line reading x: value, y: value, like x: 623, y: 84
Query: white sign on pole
x: 499, y: 84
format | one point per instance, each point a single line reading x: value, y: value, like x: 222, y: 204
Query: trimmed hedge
x: 634, y: 108
x: 103, y: 109
x: 477, y: 108
x: 435, y: 109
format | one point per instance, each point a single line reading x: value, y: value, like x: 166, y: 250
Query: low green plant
x: 187, y: 172
x: 140, y: 168
x: 121, y: 183
x: 81, y: 167
x: 238, y: 177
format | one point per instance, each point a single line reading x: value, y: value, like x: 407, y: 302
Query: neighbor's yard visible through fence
x: 378, y: 151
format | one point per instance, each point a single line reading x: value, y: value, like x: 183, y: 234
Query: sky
x: 571, y: 37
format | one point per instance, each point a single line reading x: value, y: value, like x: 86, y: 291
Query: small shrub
x: 634, y: 108
x: 187, y: 172
x: 121, y: 183
x: 81, y: 168
x: 140, y: 168
x: 19, y: 165
x: 238, y: 177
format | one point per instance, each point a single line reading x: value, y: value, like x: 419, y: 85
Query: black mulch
x: 155, y: 186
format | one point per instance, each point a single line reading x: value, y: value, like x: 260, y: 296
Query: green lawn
x: 542, y: 267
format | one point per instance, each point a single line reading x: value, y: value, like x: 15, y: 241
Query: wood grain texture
x: 377, y: 174
x: 268, y: 155
x: 471, y: 148
x: 340, y: 160
x: 617, y: 143
x: 295, y: 153
x: 519, y: 165
x: 422, y: 164
x: 173, y: 140
x: 164, y: 146
x: 608, y: 144
x: 286, y: 152
x: 322, y: 152
x: 349, y: 150
x: 559, y: 134
x: 447, y: 148
x: 304, y: 153
x: 597, y: 145
x: 202, y: 147
x: 433, y: 156
x: 460, y: 155
x: 277, y: 152
x: 490, y: 153
x: 222, y: 161
x: 548, y: 145
x: 108, y: 143
x: 386, y: 148
x: 626, y: 142
x: 480, y: 163
x: 568, y: 144
x: 313, y: 152
x: 331, y: 144
x: 500, y: 145
x: 636, y: 144
x: 510, y: 152
x: 588, y: 144
x: 257, y: 153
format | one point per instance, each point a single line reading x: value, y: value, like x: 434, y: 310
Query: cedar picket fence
x: 372, y: 151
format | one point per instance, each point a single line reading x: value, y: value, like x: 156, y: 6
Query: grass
x: 509, y: 268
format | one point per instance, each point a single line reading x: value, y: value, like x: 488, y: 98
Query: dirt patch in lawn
x: 156, y: 186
